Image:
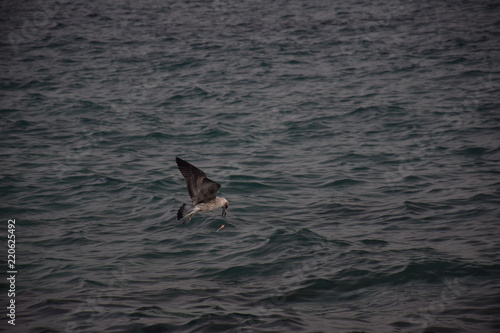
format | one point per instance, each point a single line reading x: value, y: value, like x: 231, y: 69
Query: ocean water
x: 357, y: 144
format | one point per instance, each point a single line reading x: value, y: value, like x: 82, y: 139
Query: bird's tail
x: 184, y: 210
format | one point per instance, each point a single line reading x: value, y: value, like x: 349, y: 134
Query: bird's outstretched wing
x: 200, y: 188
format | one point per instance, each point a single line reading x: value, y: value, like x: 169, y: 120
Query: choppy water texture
x: 357, y: 144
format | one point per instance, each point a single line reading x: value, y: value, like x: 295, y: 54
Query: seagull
x: 201, y: 190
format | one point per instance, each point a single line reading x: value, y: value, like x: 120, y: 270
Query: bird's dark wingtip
x: 180, y: 212
x: 181, y: 163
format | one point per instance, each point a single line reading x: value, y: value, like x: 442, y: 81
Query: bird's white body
x: 214, y: 204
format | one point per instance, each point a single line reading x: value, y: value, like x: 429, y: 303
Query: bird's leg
x: 190, y: 216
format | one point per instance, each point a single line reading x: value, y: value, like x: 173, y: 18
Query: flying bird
x: 202, y: 191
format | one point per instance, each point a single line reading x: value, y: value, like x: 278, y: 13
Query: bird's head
x: 225, y: 206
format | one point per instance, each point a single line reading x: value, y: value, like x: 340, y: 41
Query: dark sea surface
x: 358, y: 144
